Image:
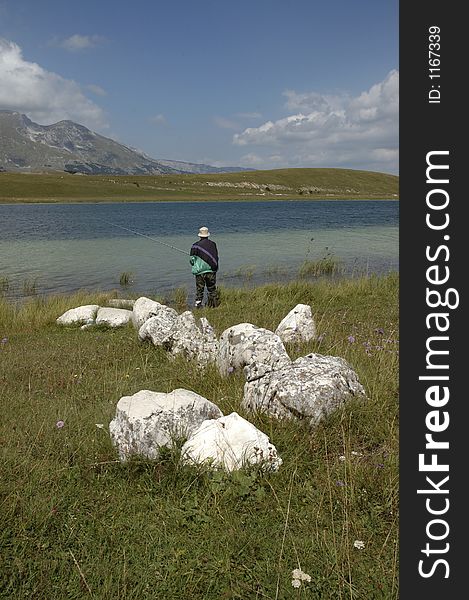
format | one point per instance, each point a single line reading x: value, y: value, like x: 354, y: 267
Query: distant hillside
x: 26, y: 146
x: 279, y: 184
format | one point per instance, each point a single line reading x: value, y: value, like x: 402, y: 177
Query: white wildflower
x: 296, y: 583
x: 299, y: 574
x: 354, y: 453
x: 100, y: 425
x: 342, y: 458
x: 359, y: 544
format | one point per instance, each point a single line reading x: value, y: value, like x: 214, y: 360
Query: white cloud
x: 225, y: 123
x: 355, y: 132
x: 313, y: 101
x: 44, y: 96
x: 96, y: 89
x: 235, y: 121
x: 249, y: 115
x: 158, y: 119
x: 254, y: 160
x: 77, y: 42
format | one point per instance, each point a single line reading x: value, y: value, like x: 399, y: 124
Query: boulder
x: 143, y: 309
x: 230, y: 443
x: 82, y: 315
x: 245, y: 344
x: 193, y: 342
x: 157, y: 328
x: 298, y: 325
x: 209, y: 348
x: 149, y: 420
x: 113, y: 317
x: 121, y: 303
x: 310, y: 388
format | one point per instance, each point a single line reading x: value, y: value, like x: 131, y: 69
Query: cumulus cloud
x: 44, y: 96
x: 77, y: 42
x: 355, y: 132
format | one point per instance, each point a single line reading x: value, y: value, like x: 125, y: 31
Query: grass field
x: 278, y: 184
x: 78, y: 524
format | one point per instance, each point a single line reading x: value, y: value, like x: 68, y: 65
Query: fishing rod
x: 143, y: 235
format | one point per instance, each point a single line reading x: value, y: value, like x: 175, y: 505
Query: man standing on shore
x: 204, y: 261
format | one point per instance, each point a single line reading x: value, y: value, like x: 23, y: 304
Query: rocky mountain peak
x: 69, y: 146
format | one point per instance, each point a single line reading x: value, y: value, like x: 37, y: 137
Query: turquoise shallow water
x: 68, y: 247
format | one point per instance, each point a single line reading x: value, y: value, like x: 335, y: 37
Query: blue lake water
x: 66, y: 247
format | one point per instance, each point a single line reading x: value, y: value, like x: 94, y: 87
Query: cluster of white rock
x: 247, y: 185
x: 308, y: 388
x: 148, y: 421
x: 117, y: 314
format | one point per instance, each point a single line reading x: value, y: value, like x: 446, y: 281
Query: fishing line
x: 143, y: 235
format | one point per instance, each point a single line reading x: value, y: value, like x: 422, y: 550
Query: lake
x: 50, y: 248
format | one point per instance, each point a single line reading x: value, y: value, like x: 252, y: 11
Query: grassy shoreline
x: 280, y: 184
x: 77, y: 523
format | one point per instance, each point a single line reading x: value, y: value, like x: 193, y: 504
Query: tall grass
x: 4, y: 284
x: 76, y: 523
x: 126, y: 278
x: 328, y: 264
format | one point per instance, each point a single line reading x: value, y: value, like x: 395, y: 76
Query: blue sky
x: 254, y: 83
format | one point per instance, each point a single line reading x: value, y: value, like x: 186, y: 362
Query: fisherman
x: 204, y: 261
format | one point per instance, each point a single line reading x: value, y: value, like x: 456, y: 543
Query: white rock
x: 113, y: 317
x: 310, y: 388
x: 298, y: 325
x: 82, y: 315
x: 208, y: 351
x: 230, y: 443
x: 186, y: 338
x: 245, y: 344
x: 143, y: 309
x: 149, y: 420
x: 158, y: 327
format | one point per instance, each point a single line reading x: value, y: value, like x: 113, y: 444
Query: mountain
x: 26, y: 146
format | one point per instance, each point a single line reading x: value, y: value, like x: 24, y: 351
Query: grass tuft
x: 126, y: 278
x: 4, y: 284
x: 327, y: 265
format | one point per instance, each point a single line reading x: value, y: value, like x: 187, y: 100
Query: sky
x: 261, y: 84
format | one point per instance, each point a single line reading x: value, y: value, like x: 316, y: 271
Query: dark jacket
x: 207, y: 251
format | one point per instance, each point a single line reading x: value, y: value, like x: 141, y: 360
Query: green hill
x: 278, y: 184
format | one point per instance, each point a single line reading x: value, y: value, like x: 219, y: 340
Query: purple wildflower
x: 340, y: 483
x: 379, y: 330
x: 4, y: 340
x: 60, y: 424
x: 351, y: 339
x: 230, y: 369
